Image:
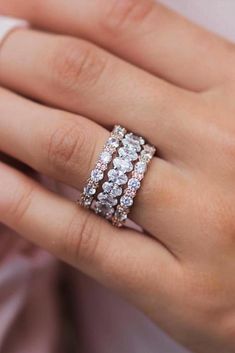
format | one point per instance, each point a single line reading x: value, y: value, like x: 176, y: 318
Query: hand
x: 167, y: 80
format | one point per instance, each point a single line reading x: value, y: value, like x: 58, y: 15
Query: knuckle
x: 127, y: 14
x: 64, y: 144
x: 82, y: 238
x: 76, y: 65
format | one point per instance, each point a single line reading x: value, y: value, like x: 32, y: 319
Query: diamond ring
x: 117, y: 176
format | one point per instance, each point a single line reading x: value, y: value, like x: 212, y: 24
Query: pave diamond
x: 123, y: 164
x: 97, y: 175
x: 134, y: 183
x: 107, y: 198
x: 128, y: 153
x: 87, y: 202
x: 117, y: 176
x: 126, y: 201
x: 106, y: 157
x: 140, y: 167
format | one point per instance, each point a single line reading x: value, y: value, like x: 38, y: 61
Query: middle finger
x: 79, y: 77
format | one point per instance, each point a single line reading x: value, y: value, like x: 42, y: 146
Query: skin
x: 138, y: 64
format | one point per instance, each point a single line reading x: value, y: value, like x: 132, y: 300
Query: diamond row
x: 98, y: 173
x: 133, y: 186
x: 123, y: 164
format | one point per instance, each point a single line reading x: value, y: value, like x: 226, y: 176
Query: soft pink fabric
x: 29, y: 316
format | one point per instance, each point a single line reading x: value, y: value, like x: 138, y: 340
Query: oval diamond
x: 123, y: 165
x: 117, y: 177
x: 116, y: 191
x: 134, y: 141
x: 128, y: 153
x: 107, y: 186
x: 107, y: 198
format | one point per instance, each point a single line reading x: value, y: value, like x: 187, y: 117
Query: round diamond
x: 147, y: 153
x: 128, y: 153
x: 123, y: 165
x: 140, y: 167
x: 146, y: 156
x: 105, y: 157
x: 126, y: 201
x: 117, y: 176
x: 121, y: 215
x: 107, y: 198
x: 106, y: 210
x: 120, y: 131
x: 113, y: 142
x: 97, y: 175
x: 90, y: 190
x: 134, y: 183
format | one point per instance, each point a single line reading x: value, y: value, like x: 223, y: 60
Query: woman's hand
x: 167, y: 80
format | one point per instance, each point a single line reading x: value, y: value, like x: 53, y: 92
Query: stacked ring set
x: 117, y: 176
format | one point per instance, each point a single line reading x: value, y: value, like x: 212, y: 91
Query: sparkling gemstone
x: 116, y: 191
x: 150, y: 149
x: 113, y: 142
x: 146, y: 156
x: 138, y: 176
x: 107, y: 186
x: 121, y: 215
x: 97, y: 175
x: 106, y: 157
x: 120, y: 131
x: 104, y: 209
x: 123, y: 165
x: 133, y: 140
x: 130, y: 192
x: 112, y: 189
x: 126, y: 201
x: 90, y: 190
x: 87, y: 201
x: 107, y: 198
x: 134, y: 183
x: 140, y: 167
x: 147, y: 153
x: 117, y: 177
x: 128, y: 153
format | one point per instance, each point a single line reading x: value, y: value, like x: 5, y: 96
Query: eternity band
x: 117, y: 176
